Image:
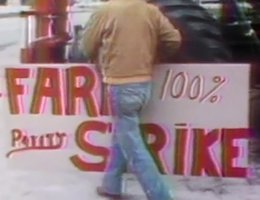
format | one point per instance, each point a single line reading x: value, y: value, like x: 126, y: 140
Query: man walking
x: 122, y: 37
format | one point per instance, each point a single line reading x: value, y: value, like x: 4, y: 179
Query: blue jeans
x: 128, y: 148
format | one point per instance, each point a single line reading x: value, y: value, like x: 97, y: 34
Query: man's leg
x: 112, y: 181
x: 128, y: 101
x: 117, y: 165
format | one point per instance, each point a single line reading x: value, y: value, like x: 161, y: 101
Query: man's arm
x: 92, y: 35
x: 169, y: 36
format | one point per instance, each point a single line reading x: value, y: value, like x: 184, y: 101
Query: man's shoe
x: 103, y: 193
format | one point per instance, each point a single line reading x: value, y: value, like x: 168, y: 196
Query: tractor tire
x: 202, y: 39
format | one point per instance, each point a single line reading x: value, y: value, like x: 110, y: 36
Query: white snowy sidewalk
x: 20, y: 185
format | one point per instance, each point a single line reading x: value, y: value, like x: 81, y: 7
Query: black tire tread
x: 201, y: 33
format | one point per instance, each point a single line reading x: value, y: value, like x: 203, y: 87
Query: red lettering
x: 21, y: 141
x: 85, y: 91
x: 85, y: 129
x: 202, y: 159
x: 158, y: 144
x: 17, y: 135
x: 229, y: 152
x: 15, y: 89
x: 180, y: 151
x: 51, y: 90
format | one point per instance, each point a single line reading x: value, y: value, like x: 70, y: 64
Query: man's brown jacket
x: 122, y: 37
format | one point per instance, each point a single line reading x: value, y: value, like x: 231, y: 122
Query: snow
x: 42, y: 185
x: 68, y: 185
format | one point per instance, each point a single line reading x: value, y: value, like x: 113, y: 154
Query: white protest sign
x: 196, y: 122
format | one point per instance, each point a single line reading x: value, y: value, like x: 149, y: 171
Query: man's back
x: 125, y: 35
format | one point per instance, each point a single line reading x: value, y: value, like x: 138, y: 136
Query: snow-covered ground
x: 32, y: 185
x: 68, y: 185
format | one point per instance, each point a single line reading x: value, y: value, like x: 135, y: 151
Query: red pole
x: 50, y: 32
